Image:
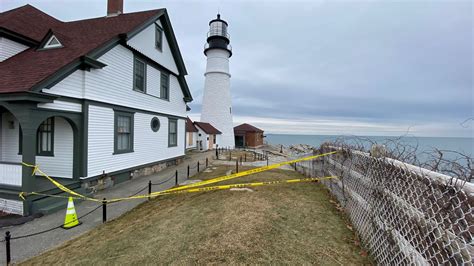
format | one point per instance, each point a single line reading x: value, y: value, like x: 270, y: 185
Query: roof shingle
x: 207, y: 128
x: 26, y: 69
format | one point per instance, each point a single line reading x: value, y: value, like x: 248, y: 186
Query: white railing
x: 10, y: 174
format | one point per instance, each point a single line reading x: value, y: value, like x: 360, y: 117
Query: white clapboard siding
x: 59, y: 165
x: 71, y: 86
x: 203, y: 138
x: 10, y: 138
x: 10, y: 174
x: 62, y: 105
x: 145, y: 43
x: 9, y: 48
x: 114, y: 84
x: 11, y: 206
x: 149, y: 146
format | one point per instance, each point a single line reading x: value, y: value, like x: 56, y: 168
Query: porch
x: 37, y: 136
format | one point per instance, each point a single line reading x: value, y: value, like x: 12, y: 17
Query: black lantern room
x: 217, y: 37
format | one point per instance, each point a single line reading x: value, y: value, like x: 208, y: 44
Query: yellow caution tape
x: 249, y: 172
x: 200, y: 189
x: 168, y: 191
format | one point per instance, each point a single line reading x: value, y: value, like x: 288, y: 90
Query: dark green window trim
x: 158, y: 37
x: 165, y: 86
x: 45, y: 133
x: 139, y: 75
x: 117, y: 138
x: 20, y: 141
x: 172, y: 136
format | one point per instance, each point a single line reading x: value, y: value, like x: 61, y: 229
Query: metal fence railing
x: 403, y: 214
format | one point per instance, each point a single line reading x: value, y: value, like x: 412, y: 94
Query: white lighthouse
x: 216, y: 105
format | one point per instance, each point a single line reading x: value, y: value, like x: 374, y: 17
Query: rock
x: 241, y: 189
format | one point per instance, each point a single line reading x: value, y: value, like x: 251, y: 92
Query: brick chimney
x: 114, y: 7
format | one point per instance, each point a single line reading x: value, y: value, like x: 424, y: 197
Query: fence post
x: 237, y: 166
x: 104, y: 210
x: 176, y: 177
x: 230, y: 155
x: 281, y: 149
x: 149, y: 189
x: 187, y: 176
x: 7, y: 246
x: 198, y: 166
x: 245, y: 156
x: 267, y: 160
x: 207, y: 162
x: 217, y: 153
x: 240, y: 160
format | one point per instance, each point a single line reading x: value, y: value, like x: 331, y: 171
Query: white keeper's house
x: 93, y: 102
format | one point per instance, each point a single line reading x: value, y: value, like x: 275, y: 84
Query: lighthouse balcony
x: 221, y: 46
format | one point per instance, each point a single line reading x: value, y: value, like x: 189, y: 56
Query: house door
x: 211, y: 141
x: 239, y: 141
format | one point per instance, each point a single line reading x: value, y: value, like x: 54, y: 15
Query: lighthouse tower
x: 216, y: 104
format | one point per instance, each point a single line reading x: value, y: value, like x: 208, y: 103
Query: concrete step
x: 51, y: 204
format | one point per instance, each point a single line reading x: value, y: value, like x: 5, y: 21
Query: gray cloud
x: 383, y: 66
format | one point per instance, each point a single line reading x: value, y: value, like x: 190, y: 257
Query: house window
x: 45, y: 138
x: 52, y: 42
x: 123, y: 132
x: 172, y: 132
x: 165, y: 86
x: 158, y: 37
x: 139, y: 74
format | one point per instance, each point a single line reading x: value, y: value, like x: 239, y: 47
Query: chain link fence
x: 403, y: 214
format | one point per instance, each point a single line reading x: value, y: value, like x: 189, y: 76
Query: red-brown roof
x: 24, y: 70
x: 190, y: 126
x: 247, y: 128
x: 207, y: 128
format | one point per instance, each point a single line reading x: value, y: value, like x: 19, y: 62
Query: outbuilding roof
x: 190, y: 126
x: 82, y: 40
x: 207, y: 128
x: 247, y: 128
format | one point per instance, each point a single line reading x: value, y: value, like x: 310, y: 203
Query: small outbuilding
x: 191, y: 135
x: 247, y: 135
x: 208, y: 136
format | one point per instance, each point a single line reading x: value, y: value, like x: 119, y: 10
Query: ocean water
x: 425, y: 144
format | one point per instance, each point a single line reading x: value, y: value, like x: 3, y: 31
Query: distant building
x: 208, y: 136
x: 247, y: 135
x: 216, y: 104
x: 191, y: 135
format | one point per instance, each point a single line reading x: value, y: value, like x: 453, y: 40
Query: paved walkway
x: 25, y: 248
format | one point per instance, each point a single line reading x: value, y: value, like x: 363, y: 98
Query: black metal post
x: 7, y: 246
x: 207, y: 162
x: 281, y: 149
x: 267, y: 160
x: 237, y: 166
x: 240, y: 160
x: 230, y: 155
x: 187, y: 176
x: 104, y: 210
x: 245, y: 156
x: 149, y: 189
x: 176, y: 177
x: 198, y: 166
x: 217, y: 153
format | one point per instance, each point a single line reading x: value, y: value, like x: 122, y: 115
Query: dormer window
x: 53, y: 42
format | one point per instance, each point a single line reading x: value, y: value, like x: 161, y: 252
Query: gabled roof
x: 247, y: 128
x: 35, y: 69
x: 207, y: 128
x: 190, y: 126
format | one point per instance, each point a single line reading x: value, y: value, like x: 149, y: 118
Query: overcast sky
x: 327, y: 67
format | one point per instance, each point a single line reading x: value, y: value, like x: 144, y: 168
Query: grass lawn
x: 279, y: 224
